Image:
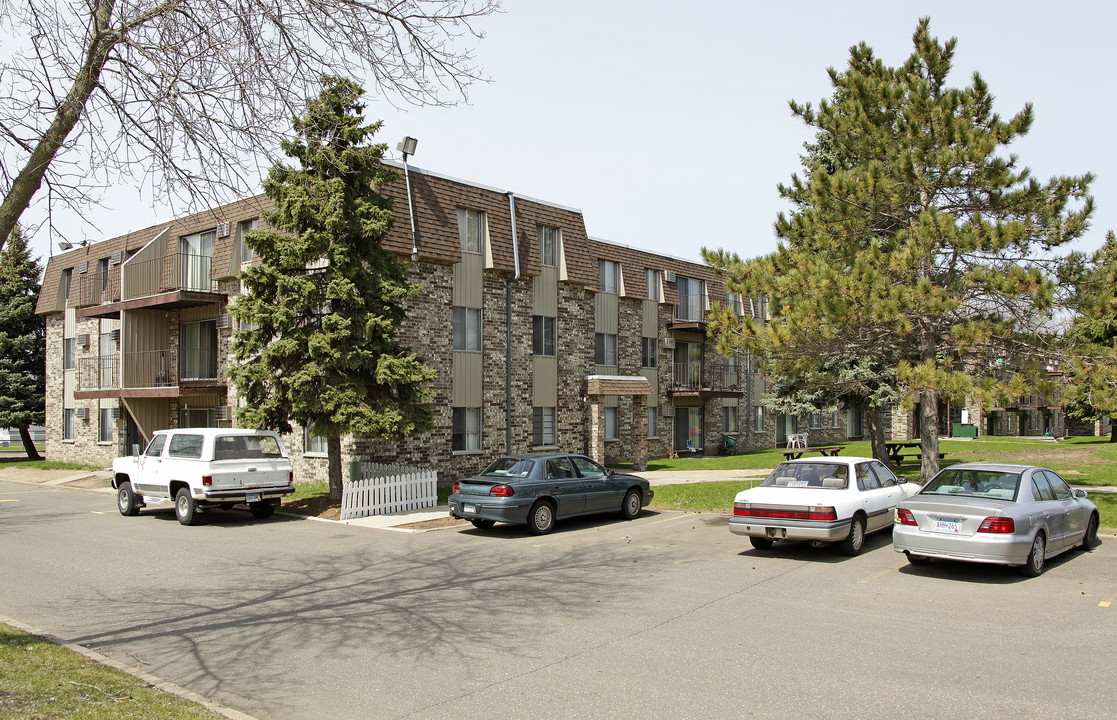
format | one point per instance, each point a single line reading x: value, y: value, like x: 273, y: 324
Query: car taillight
x: 502, y: 491
x: 291, y: 478
x: 207, y: 480
x: 455, y: 488
x: 904, y: 517
x: 997, y: 525
x: 824, y: 513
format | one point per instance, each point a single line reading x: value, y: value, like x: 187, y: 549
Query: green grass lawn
x: 40, y: 679
x: 45, y: 464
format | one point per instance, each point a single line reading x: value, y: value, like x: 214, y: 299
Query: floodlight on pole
x: 64, y: 245
x: 407, y: 147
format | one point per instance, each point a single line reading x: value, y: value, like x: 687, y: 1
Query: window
x: 467, y: 329
x: 560, y: 469
x: 543, y: 421
x: 155, y: 447
x: 1058, y: 486
x: 886, y: 477
x: 588, y: 468
x: 815, y: 420
x: 313, y: 443
x: 197, y: 253
x: 543, y: 335
x: 652, y: 278
x: 68, y: 424
x: 609, y: 271
x: 605, y: 349
x: 243, y: 228
x: 548, y: 246
x: 198, y: 351
x: 649, y: 352
x: 471, y: 230
x: 64, y: 284
x: 736, y: 303
x: 653, y: 422
x: 866, y: 480
x: 107, y: 360
x: 69, y: 353
x: 102, y: 279
x: 466, y: 431
x: 610, y: 423
x: 729, y: 419
x: 105, y: 433
x: 758, y: 419
x: 185, y: 446
x: 692, y: 299
x: 197, y: 417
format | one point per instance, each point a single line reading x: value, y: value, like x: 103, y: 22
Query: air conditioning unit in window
x: 667, y: 410
x: 83, y: 340
x: 224, y: 322
x: 667, y: 343
x: 115, y: 413
x: 81, y: 413
x: 222, y: 412
x: 114, y: 335
x: 83, y: 266
x: 116, y: 257
x: 223, y: 230
x: 669, y: 275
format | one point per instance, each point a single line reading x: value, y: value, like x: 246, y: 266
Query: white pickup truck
x: 205, y: 467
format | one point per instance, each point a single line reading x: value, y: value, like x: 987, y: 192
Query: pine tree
x: 912, y: 241
x: 1091, y: 375
x: 22, y: 342
x: 325, y: 302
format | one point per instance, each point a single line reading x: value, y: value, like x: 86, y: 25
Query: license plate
x: 947, y: 525
x: 469, y: 508
x: 252, y: 497
x: 777, y: 533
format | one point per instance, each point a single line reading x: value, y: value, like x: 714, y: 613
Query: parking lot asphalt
x: 665, y: 616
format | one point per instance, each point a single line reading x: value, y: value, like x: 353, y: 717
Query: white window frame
x: 544, y: 426
x: 758, y: 418
x: 729, y: 420
x: 243, y: 228
x: 653, y: 422
x: 69, y: 353
x: 609, y: 275
x: 467, y: 329
x: 612, y: 418
x: 469, y: 420
x: 548, y: 245
x: 472, y: 230
x: 69, y: 427
x: 105, y: 426
x: 649, y: 352
x: 608, y: 349
x: 651, y: 277
x: 314, y: 444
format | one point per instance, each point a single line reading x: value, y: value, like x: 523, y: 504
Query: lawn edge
x: 153, y: 680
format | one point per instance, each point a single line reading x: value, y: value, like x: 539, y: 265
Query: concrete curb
x: 153, y: 680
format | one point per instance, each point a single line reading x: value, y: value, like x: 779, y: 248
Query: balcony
x: 150, y: 373
x: 176, y: 280
x: 99, y: 288
x: 706, y: 379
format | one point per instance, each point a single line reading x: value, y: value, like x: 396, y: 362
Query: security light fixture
x: 64, y: 245
x: 407, y: 147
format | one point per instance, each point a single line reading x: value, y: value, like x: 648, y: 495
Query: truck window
x: 245, y: 447
x: 155, y: 447
x: 185, y: 446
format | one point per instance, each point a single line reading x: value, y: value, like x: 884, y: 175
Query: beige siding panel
x: 544, y: 391
x: 606, y: 370
x: 69, y: 378
x: 150, y: 414
x: 70, y: 323
x: 605, y: 313
x: 469, y: 281
x: 468, y: 381
x: 652, y: 374
x: 545, y: 300
x: 651, y: 319
x: 612, y: 401
x: 201, y: 312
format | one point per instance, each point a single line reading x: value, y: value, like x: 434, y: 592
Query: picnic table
x: 797, y: 452
x: 896, y: 448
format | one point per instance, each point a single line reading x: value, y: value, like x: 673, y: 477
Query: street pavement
x: 666, y: 616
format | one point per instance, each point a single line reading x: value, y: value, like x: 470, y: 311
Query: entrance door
x: 132, y: 435
x: 688, y: 429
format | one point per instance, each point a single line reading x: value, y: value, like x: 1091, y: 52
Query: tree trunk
x: 333, y: 452
x: 29, y: 444
x: 30, y: 177
x: 929, y: 434
x: 876, y: 434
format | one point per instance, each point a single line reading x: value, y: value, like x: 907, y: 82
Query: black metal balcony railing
x: 176, y: 271
x: 97, y: 288
x: 98, y: 373
x: 151, y: 369
x: 706, y: 376
x: 197, y: 363
x: 690, y: 307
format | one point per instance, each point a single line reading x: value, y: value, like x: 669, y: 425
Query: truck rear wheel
x: 262, y: 509
x: 186, y: 510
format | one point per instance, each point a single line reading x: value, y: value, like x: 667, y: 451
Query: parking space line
x: 9, y: 500
x: 559, y: 539
x: 874, y: 576
x: 1108, y: 600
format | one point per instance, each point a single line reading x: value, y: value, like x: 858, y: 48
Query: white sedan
x: 813, y: 499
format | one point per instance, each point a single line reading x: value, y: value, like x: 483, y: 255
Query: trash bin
x: 960, y: 430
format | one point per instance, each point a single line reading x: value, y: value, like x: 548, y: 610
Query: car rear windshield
x: 833, y: 476
x: 976, y: 483
x: 245, y: 447
x: 510, y: 467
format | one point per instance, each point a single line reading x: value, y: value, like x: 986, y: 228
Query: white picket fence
x: 380, y: 489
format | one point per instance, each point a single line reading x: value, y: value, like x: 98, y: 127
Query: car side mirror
x: 610, y: 473
x: 135, y: 450
x: 1080, y: 494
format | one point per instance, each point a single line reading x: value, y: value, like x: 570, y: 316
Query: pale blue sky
x: 667, y: 123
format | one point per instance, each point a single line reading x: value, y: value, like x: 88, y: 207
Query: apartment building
x: 543, y: 338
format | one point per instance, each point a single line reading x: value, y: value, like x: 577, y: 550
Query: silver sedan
x: 995, y: 513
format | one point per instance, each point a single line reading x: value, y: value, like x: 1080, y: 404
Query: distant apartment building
x: 543, y: 338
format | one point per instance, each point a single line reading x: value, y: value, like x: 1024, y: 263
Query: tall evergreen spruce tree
x: 1091, y: 386
x: 324, y: 305
x: 22, y: 343
x: 912, y: 241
